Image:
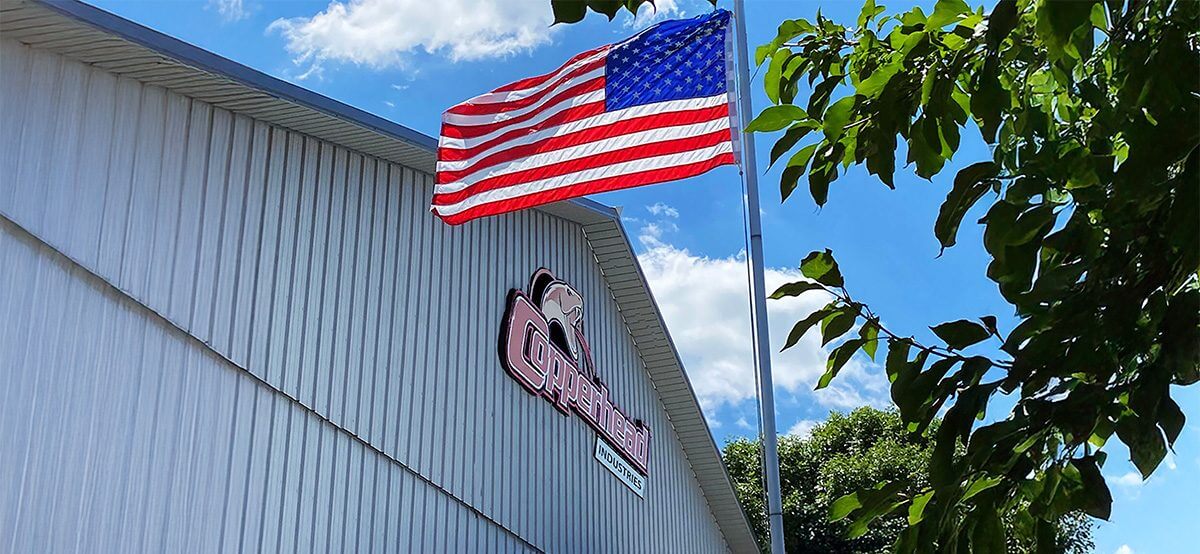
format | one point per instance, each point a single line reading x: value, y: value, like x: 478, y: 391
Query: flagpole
x: 758, y: 294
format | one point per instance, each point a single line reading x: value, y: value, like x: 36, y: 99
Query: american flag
x: 653, y: 108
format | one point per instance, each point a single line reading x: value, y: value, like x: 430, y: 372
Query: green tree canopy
x: 1092, y: 194
x: 844, y: 454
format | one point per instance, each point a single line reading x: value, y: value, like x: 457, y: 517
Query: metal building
x: 229, y: 323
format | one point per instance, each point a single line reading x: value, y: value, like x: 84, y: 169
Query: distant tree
x: 1091, y: 109
x: 845, y: 454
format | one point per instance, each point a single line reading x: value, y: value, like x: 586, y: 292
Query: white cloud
x: 743, y: 423
x: 1124, y: 549
x: 1130, y: 480
x: 230, y: 10
x: 653, y: 12
x: 803, y: 428
x: 660, y: 209
x: 380, y: 33
x: 705, y: 302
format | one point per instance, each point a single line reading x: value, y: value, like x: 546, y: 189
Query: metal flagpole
x: 758, y: 293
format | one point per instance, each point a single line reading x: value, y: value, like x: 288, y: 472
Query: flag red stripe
x: 566, y: 116
x: 531, y: 82
x: 649, y: 177
x: 467, y: 108
x: 649, y: 150
x: 623, y: 127
x: 469, y: 131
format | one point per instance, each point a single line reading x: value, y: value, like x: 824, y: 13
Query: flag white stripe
x: 514, y: 95
x: 614, y: 170
x: 598, y: 120
x: 595, y: 97
x: 550, y: 99
x: 610, y: 144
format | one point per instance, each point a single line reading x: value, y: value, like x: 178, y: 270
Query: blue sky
x: 408, y: 60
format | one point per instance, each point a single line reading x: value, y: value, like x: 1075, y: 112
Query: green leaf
x: 566, y: 11
x: 822, y: 268
x: 896, y: 362
x: 774, y: 75
x: 795, y: 168
x: 971, y: 183
x: 873, y: 85
x: 960, y: 334
x: 805, y: 324
x: 988, y: 536
x: 836, y: 324
x: 1146, y: 446
x: 870, y: 336
x: 916, y: 510
x: 843, y: 506
x: 836, y: 117
x: 946, y: 12
x: 1001, y: 22
x: 775, y: 118
x: 794, y: 289
x: 838, y: 359
x: 789, y: 139
x: 1095, y: 496
x: 979, y: 485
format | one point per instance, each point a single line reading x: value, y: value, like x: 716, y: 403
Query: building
x: 229, y: 323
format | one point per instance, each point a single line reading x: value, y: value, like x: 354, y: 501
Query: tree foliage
x: 1091, y: 109
x: 842, y: 455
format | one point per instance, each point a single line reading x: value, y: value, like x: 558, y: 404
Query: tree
x: 842, y: 455
x: 1092, y: 111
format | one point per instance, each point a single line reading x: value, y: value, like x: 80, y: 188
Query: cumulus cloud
x: 653, y: 12
x: 660, y: 209
x: 380, y: 33
x: 803, y: 428
x: 1130, y: 483
x: 1124, y: 549
x: 230, y: 10
x: 705, y: 303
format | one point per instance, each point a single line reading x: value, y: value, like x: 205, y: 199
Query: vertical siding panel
x: 394, y: 272
x: 15, y: 98
x: 211, y: 225
x: 284, y: 289
x: 64, y: 154
x: 331, y: 292
x: 146, y: 186
x: 245, y: 294
x: 311, y: 371
x: 231, y: 257
x: 166, y: 221
x: 92, y: 167
x: 345, y: 379
x: 305, y: 183
x: 191, y: 205
x: 37, y: 139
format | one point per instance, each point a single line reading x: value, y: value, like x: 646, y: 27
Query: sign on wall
x: 543, y: 347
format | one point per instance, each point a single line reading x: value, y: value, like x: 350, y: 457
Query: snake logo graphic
x: 562, y: 306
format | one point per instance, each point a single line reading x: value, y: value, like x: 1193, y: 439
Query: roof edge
x: 202, y: 59
x: 205, y: 60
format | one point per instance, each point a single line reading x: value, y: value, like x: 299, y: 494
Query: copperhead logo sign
x: 543, y: 347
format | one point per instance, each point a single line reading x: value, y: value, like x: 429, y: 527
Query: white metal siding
x: 124, y: 434
x: 318, y: 274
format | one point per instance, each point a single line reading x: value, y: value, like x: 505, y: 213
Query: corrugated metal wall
x: 325, y: 309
